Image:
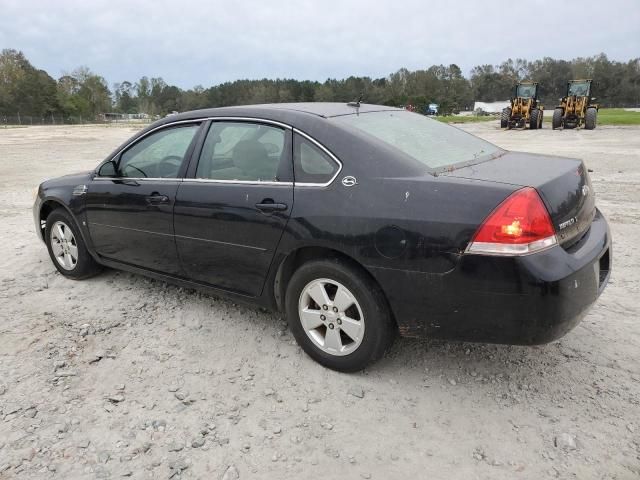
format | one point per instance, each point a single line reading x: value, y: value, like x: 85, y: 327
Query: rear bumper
x: 524, y: 300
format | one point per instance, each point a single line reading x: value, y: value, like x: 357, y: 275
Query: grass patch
x: 617, y: 116
x: 466, y: 118
x: 608, y: 116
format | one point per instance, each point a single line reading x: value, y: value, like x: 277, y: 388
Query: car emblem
x: 585, y: 190
x: 349, y: 181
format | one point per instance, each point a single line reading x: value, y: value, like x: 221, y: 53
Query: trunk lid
x: 563, y: 184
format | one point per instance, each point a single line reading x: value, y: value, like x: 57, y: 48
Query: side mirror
x: 108, y: 170
x: 593, y: 99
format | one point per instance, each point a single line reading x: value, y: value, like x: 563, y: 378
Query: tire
x: 556, y: 121
x: 534, y: 119
x: 66, y: 247
x: 590, y: 118
x: 505, y: 117
x: 362, y: 306
x: 540, y: 119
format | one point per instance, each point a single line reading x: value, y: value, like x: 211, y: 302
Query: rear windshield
x: 432, y: 143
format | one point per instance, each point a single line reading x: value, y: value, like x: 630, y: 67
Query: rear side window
x: 434, y: 144
x: 311, y: 163
x: 239, y: 151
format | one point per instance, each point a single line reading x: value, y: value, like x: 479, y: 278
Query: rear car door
x: 231, y: 210
x: 130, y: 202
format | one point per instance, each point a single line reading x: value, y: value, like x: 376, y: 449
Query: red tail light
x: 519, y: 225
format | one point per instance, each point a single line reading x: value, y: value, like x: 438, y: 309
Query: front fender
x: 50, y: 198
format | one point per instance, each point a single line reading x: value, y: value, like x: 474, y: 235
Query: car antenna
x: 357, y: 102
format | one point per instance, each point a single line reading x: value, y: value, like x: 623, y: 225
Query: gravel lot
x: 125, y: 376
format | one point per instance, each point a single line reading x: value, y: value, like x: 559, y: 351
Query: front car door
x: 230, y: 212
x: 130, y: 202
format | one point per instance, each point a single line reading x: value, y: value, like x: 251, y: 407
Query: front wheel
x: 338, y: 315
x: 534, y: 119
x: 590, y: 118
x: 556, y: 121
x: 66, y: 247
x: 505, y: 117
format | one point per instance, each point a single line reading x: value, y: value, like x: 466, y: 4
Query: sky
x: 192, y: 43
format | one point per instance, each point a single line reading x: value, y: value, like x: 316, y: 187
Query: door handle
x: 156, y: 199
x: 268, y: 205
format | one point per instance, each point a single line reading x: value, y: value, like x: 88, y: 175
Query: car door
x: 130, y: 202
x: 229, y: 216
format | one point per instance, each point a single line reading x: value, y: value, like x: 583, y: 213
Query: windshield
x: 581, y: 89
x: 432, y: 143
x: 526, y: 91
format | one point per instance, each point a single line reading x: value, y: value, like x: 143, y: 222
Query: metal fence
x: 25, y: 120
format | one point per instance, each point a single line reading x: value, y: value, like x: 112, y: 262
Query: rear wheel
x: 66, y: 247
x: 590, y: 118
x: 556, y: 121
x: 505, y: 117
x: 338, y: 315
x: 534, y: 119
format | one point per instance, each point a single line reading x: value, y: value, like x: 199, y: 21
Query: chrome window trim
x: 137, y: 179
x: 326, y: 151
x: 192, y: 120
x: 240, y: 182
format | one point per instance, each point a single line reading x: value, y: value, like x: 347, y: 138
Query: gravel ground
x: 120, y: 375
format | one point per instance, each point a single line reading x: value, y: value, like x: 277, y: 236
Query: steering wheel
x: 136, y: 168
x: 169, y: 166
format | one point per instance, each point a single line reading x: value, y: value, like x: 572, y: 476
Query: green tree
x: 24, y: 90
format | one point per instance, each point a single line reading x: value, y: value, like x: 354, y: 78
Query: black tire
x: 505, y: 117
x: 590, y: 118
x: 534, y: 119
x: 379, y: 331
x: 85, y: 265
x: 540, y: 119
x: 556, y: 121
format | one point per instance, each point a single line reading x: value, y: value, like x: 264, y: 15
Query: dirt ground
x: 122, y: 376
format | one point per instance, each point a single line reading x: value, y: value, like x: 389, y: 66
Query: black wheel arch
x: 296, y: 258
x: 49, y: 205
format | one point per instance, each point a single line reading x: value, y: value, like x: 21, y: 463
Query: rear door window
x: 242, y: 151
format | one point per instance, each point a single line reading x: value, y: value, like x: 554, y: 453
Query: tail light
x: 519, y: 225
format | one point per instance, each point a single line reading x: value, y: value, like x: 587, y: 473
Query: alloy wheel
x: 331, y: 317
x: 64, y: 246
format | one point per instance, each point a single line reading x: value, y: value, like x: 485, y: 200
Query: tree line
x: 28, y: 91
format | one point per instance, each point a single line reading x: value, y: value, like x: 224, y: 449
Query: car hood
x: 72, y: 179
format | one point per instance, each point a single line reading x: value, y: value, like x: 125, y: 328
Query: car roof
x: 318, y: 109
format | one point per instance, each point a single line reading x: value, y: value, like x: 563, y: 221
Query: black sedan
x: 358, y: 221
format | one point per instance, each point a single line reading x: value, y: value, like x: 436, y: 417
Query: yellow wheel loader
x: 525, y: 109
x: 575, y: 109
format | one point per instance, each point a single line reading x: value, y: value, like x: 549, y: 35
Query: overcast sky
x: 209, y: 42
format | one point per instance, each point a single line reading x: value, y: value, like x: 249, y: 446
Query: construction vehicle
x: 525, y: 108
x: 575, y: 109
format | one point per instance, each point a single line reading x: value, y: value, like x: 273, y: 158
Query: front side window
x: 434, y: 144
x: 240, y: 151
x: 158, y: 155
x: 311, y: 164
